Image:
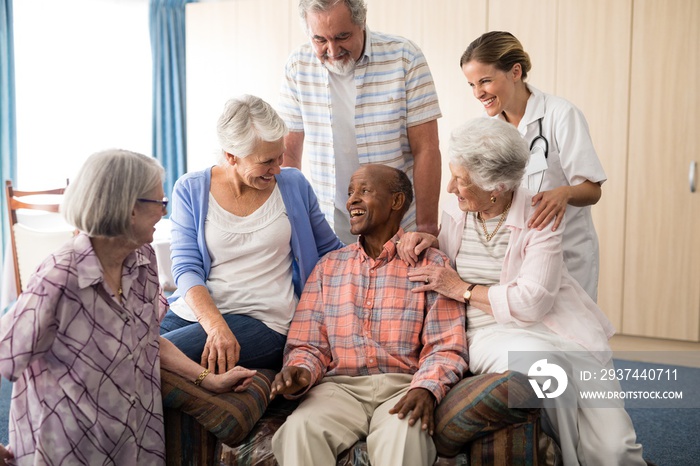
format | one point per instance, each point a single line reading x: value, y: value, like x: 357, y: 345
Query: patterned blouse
x: 85, y: 368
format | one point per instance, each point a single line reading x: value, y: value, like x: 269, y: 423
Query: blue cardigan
x: 312, y: 237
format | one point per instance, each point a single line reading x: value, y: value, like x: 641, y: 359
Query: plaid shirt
x: 358, y: 316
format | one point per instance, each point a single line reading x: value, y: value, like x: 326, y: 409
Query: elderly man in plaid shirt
x: 370, y: 358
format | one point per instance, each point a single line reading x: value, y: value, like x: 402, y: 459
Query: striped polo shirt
x: 395, y: 91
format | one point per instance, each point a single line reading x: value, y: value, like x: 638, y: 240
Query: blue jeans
x: 261, y: 347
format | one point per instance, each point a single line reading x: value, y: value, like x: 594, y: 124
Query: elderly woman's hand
x: 412, y: 244
x: 445, y: 280
x: 551, y: 205
x: 237, y: 379
x: 221, y: 350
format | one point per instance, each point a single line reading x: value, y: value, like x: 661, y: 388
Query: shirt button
x: 132, y: 399
x: 129, y: 357
x: 371, y: 360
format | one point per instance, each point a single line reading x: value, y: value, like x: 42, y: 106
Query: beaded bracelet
x: 204, y: 373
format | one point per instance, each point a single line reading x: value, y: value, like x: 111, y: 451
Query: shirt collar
x: 519, y: 209
x: 388, y: 251
x: 367, y: 52
x: 534, y: 109
x: 88, y: 267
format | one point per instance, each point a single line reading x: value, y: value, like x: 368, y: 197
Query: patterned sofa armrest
x: 479, y: 405
x: 256, y: 449
x: 473, y: 422
x: 229, y: 416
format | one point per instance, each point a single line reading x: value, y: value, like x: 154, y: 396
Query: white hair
x: 245, y: 122
x: 492, y: 151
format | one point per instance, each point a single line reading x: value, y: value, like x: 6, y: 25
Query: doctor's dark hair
x: 498, y: 48
x: 492, y: 151
x: 358, y: 10
x: 101, y: 199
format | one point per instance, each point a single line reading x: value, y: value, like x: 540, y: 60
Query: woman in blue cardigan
x: 245, y: 236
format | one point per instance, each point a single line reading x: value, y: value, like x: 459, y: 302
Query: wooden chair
x: 32, y: 243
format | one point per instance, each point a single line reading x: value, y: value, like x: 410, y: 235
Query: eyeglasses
x: 164, y: 202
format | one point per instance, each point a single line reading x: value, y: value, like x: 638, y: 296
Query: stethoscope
x: 540, y: 137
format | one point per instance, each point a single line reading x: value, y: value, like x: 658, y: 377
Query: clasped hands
x: 220, y: 355
x: 418, y: 403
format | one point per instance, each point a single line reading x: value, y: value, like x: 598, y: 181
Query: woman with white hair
x: 519, y: 296
x: 245, y: 236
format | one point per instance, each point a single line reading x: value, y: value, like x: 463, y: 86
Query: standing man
x: 357, y: 97
x: 370, y: 357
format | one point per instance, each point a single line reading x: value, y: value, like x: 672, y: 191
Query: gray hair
x: 245, y: 122
x: 492, y: 151
x: 101, y: 198
x: 358, y: 10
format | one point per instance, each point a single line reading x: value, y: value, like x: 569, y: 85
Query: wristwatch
x: 468, y: 294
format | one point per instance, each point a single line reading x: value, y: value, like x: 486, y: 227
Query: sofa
x: 473, y: 424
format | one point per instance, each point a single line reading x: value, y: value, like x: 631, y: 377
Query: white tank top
x: 251, y: 264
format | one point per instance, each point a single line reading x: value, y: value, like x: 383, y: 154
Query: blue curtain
x: 167, y: 27
x: 8, y: 136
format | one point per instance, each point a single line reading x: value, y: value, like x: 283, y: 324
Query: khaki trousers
x: 341, y: 410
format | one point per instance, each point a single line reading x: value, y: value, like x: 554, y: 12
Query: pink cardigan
x: 535, y: 285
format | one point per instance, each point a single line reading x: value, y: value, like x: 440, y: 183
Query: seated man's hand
x: 290, y: 380
x: 421, y: 405
x: 5, y: 455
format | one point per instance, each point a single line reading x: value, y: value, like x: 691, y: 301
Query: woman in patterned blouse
x: 82, y: 342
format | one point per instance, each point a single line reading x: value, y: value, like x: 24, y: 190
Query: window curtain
x: 167, y: 27
x: 8, y: 136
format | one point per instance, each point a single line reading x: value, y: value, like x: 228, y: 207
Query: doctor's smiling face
x: 494, y: 88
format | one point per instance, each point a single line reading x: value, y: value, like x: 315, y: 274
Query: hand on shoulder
x: 412, y: 244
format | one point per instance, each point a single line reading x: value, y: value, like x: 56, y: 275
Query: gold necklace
x: 120, y: 292
x: 500, y: 222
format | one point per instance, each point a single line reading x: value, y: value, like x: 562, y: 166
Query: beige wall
x: 240, y: 46
x: 580, y: 50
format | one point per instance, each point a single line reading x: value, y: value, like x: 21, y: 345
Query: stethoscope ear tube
x: 531, y: 182
x: 544, y: 139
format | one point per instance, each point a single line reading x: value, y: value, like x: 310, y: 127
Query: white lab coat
x: 571, y: 160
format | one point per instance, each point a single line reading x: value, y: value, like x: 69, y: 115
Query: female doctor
x: 564, y: 170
